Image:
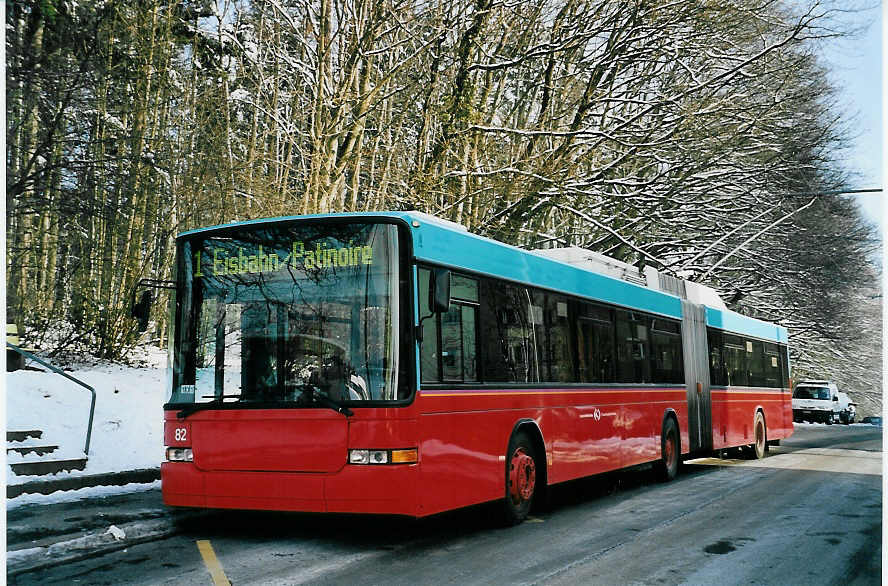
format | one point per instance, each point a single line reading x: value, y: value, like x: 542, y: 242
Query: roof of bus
x: 447, y: 243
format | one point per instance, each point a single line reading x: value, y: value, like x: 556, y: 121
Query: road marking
x: 212, y: 563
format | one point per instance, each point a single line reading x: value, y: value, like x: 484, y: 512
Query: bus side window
x: 470, y: 342
x: 509, y: 351
x: 716, y: 364
x: 536, y: 313
x: 784, y: 365
x: 755, y: 361
x: 735, y: 361
x: 458, y: 343
x: 448, y: 351
x: 595, y: 344
x: 428, y: 348
x: 633, y: 354
x: 666, y: 352
x: 558, y: 354
x: 772, y: 367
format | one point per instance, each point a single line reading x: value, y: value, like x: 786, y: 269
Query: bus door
x: 696, y: 364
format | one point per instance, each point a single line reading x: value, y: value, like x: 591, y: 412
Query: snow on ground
x: 127, y: 431
x: 89, y: 492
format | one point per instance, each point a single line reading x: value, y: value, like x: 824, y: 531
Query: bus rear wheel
x: 670, y: 449
x: 761, y: 436
x: 521, y: 478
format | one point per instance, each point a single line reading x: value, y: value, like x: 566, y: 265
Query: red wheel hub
x: 522, y: 476
x: 670, y: 449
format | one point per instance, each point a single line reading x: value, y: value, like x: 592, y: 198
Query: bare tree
x: 688, y: 135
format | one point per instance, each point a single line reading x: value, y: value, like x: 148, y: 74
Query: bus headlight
x: 408, y: 456
x: 179, y: 455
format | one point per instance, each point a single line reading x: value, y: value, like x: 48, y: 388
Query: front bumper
x: 816, y: 415
x: 389, y: 490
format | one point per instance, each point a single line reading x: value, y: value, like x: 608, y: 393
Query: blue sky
x: 855, y: 64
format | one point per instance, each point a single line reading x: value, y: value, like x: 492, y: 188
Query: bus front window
x: 275, y: 314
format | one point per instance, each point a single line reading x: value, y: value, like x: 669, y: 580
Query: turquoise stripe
x: 740, y: 324
x: 462, y: 250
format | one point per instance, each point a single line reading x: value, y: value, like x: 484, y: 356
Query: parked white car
x: 817, y: 401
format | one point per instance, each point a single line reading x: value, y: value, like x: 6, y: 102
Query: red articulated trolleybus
x: 396, y: 363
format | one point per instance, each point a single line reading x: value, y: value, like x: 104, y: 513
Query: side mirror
x: 835, y: 399
x: 141, y: 311
x: 439, y: 291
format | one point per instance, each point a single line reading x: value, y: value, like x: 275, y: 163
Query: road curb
x: 79, y: 548
x: 141, y: 476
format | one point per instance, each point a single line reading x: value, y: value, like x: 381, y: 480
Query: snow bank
x: 127, y: 431
x: 89, y: 492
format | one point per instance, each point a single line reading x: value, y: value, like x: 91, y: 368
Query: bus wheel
x: 521, y: 478
x: 670, y: 449
x: 761, y: 436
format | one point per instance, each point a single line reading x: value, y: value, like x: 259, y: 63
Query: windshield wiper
x: 192, y: 409
x: 315, y: 394
x: 326, y: 401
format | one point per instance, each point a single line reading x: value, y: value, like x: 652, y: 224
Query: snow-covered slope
x: 127, y: 431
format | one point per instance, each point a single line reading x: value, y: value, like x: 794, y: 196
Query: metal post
x: 92, y: 405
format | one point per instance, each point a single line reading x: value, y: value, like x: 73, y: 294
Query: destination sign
x: 220, y: 261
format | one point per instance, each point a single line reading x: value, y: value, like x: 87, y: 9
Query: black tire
x: 670, y: 451
x: 760, y: 447
x: 522, y: 463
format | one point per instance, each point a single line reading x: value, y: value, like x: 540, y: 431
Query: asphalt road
x: 810, y: 513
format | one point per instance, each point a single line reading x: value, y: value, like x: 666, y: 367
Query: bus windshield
x: 291, y: 313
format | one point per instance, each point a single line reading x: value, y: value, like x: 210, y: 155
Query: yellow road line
x: 212, y: 563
